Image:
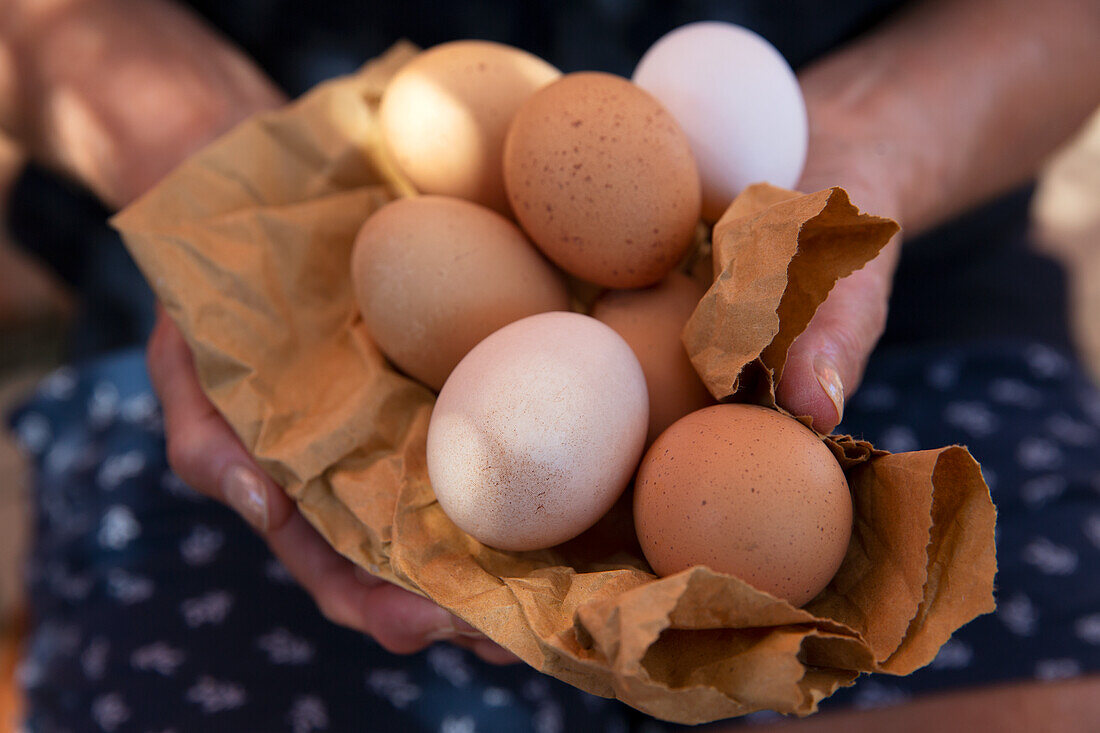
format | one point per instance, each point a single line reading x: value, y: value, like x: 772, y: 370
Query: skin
x: 947, y: 104
x: 196, y: 86
x: 1067, y: 706
x: 944, y: 106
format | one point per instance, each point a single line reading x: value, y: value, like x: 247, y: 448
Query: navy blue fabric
x: 299, y: 44
x: 66, y: 229
x: 157, y: 609
x: 1031, y: 418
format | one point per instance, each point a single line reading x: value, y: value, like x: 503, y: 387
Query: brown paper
x: 777, y: 254
x: 247, y: 245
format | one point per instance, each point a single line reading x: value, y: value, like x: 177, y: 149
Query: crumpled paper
x: 247, y: 245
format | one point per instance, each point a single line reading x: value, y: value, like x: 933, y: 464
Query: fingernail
x: 829, y: 379
x: 245, y: 492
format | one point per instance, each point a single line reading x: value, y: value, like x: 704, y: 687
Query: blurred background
x: 49, y: 318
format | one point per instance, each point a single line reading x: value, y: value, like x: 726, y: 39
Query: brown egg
x: 746, y: 491
x: 602, y: 179
x: 445, y: 113
x: 435, y: 275
x: 651, y: 320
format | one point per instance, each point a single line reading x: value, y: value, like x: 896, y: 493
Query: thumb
x: 825, y: 363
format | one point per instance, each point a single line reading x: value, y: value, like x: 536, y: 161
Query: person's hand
x: 115, y: 93
x: 932, y: 113
x: 825, y: 363
x: 206, y: 454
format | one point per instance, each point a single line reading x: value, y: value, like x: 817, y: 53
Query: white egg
x: 537, y: 431
x: 739, y: 102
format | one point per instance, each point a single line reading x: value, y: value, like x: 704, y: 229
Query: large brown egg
x: 445, y: 113
x: 435, y: 275
x: 650, y: 320
x: 602, y: 179
x: 746, y: 491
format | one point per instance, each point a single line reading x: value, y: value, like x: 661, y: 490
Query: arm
x: 116, y: 93
x: 1066, y: 706
x: 944, y: 106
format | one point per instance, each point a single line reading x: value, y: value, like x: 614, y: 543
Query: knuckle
x: 850, y: 341
x: 854, y: 337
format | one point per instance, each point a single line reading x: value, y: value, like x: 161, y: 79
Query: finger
x: 493, y: 653
x: 206, y: 454
x: 825, y: 363
x: 404, y: 622
x: 202, y: 449
x: 487, y: 650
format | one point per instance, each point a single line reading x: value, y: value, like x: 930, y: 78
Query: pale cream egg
x: 537, y: 431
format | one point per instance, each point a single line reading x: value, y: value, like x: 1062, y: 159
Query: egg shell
x: 651, y: 320
x: 538, y: 431
x: 602, y: 179
x: 435, y: 275
x: 444, y: 116
x: 739, y: 102
x: 747, y: 491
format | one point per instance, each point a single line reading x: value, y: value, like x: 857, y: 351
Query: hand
x: 206, y: 454
x: 825, y: 363
x: 933, y: 112
x: 115, y: 93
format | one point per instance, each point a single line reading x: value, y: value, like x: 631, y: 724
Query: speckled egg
x: 434, y: 275
x: 747, y: 491
x: 603, y: 180
x: 537, y: 431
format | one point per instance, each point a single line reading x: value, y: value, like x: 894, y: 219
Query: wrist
x: 875, y: 137
x: 854, y: 144
x: 869, y: 169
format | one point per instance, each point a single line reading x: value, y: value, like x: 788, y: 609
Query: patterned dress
x: 158, y: 610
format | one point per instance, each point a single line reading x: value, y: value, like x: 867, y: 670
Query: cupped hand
x: 117, y: 94
x: 206, y: 454
x: 825, y: 363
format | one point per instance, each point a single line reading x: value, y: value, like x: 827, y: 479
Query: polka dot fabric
x: 1032, y: 419
x: 154, y: 609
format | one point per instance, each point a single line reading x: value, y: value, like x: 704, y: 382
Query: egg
x: 602, y: 179
x: 537, y: 431
x: 444, y: 116
x: 747, y: 491
x: 739, y: 102
x: 650, y: 320
x: 435, y: 275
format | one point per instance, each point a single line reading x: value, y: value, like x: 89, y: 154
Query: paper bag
x: 248, y: 245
